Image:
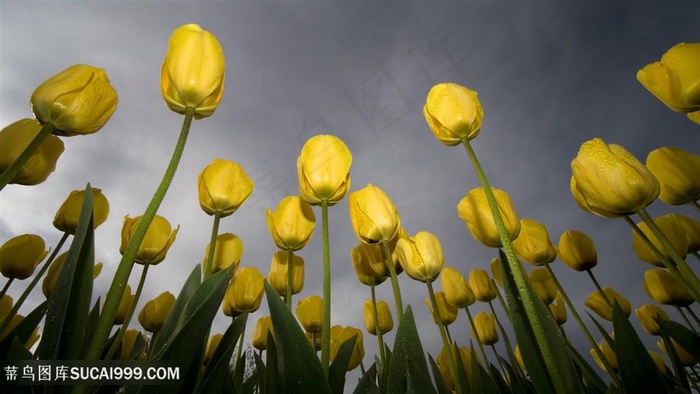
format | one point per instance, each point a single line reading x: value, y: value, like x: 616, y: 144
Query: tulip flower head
x: 543, y: 284
x: 373, y: 215
x: 228, y: 252
x: 678, y: 173
x: 691, y: 228
x: 323, y: 168
x: 340, y: 335
x: 278, y: 273
x: 386, y: 322
x: 671, y: 229
x: 154, y: 312
x: 496, y: 270
x: 650, y: 315
x: 124, y: 305
x: 609, y: 355
x: 15, y: 138
x: 421, y: 256
x: 456, y: 289
x: 292, y: 223
x: 665, y: 289
x: 223, y: 187
x: 533, y: 244
x: 474, y: 210
x: 310, y: 313
x: 453, y: 112
x: 577, y: 250
x: 485, y: 324
x: 155, y: 245
x: 213, y: 343
x: 133, y: 345
x: 675, y: 79
x: 244, y: 293
x: 444, y: 367
x: 364, y: 259
x: 68, y: 214
x: 685, y: 357
x: 482, y: 286
x: 597, y: 303
x: 558, y: 309
x: 262, y: 327
x: 20, y: 255
x: 446, y: 312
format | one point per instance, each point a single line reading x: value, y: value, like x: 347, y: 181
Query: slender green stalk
x: 129, y: 315
x: 7, y: 286
x: 153, y: 340
x: 695, y: 317
x: 212, y: 244
x: 326, y: 328
x: 21, y: 160
x: 501, y: 300
x: 476, y: 337
x: 380, y: 338
x: 443, y: 334
x: 600, y: 289
x: 240, y: 347
x: 685, y: 318
x: 121, y: 276
x: 695, y: 205
x: 696, y: 254
x: 500, y: 361
x: 394, y: 280
x: 290, y: 277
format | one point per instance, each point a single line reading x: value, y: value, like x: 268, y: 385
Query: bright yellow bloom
x: 154, y: 312
x: 445, y: 311
x: 363, y: 258
x: 482, y: 286
x: 49, y: 282
x: 421, y: 256
x: 444, y: 366
x: 223, y: 186
x: 685, y: 357
x: 386, y: 322
x: 597, y: 304
x: 262, y: 327
x: 78, y: 100
x: 648, y: 315
x: 453, y: 113
x: 457, y: 290
x: 678, y: 173
x: 310, y: 313
x: 609, y: 355
x: 133, y: 345
x: 485, y: 324
x: 193, y: 71
x: 292, y: 223
x: 124, y: 305
x: 558, y: 309
x: 533, y: 244
x: 671, y: 229
x: 340, y: 335
x: 278, y: 273
x: 244, y: 293
x: 691, y: 228
x: 519, y: 358
x: 675, y: 79
x: 323, y: 168
x: 665, y: 289
x: 228, y: 252
x: 543, y: 284
x: 609, y: 181
x: 68, y: 214
x: 475, y: 211
x: 577, y: 250
x: 15, y: 138
x: 155, y: 245
x: 213, y: 343
x: 496, y: 270
x: 373, y: 215
x: 20, y: 255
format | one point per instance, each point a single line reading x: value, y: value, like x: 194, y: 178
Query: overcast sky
x: 549, y: 77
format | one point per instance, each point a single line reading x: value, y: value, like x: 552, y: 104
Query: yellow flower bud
x: 665, y: 289
x: 597, y: 304
x: 609, y: 181
x: 292, y: 223
x: 453, y: 113
x: 685, y: 357
x: 20, y: 255
x: 262, y: 327
x: 323, y: 168
x: 49, y: 282
x: 577, y: 250
x: 649, y: 315
x: 543, y: 284
x: 133, y: 345
x: 13, y: 323
x: 78, y: 100
x: 519, y: 357
x: 533, y: 244
x: 421, y: 256
x: 244, y: 293
x: 485, y: 324
x: 124, y: 305
x: 15, y: 138
x: 228, y: 252
x: 678, y: 173
x: 213, y: 343
x: 193, y: 71
x: 223, y: 187
x: 155, y: 245
x: 373, y: 215
x: 496, y: 270
x: 609, y: 355
x: 364, y: 258
x: 474, y: 210
x: 658, y: 360
x: 675, y: 79
x: 310, y: 313
x: 694, y: 117
x: 154, y: 312
x: 68, y: 214
x: 444, y: 365
x: 691, y: 228
x: 386, y: 322
x: 340, y: 335
x: 480, y: 283
x: 6, y: 303
x: 671, y: 229
x: 446, y: 312
x: 456, y: 289
x: 558, y: 309
x: 278, y: 273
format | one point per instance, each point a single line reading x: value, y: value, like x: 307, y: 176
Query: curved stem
x: 21, y: 160
x: 7, y: 286
x: 290, y: 277
x: 685, y: 318
x: 695, y: 317
x: 380, y: 339
x: 600, y: 289
x: 240, y: 347
x: 129, y: 315
x: 394, y: 280
x: 500, y: 361
x: 121, y: 276
x: 326, y: 330
x: 695, y: 205
x: 476, y: 337
x: 443, y: 334
x: 696, y: 254
x: 212, y: 245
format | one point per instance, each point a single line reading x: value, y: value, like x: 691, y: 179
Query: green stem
x: 443, y: 334
x: 476, y: 337
x: 16, y: 166
x: 7, y: 286
x: 290, y: 278
x: 501, y: 300
x: 129, y: 315
x: 380, y: 338
x: 326, y: 328
x: 240, y: 347
x: 696, y: 254
x: 394, y: 280
x: 695, y: 317
x: 500, y: 361
x: 212, y: 245
x: 685, y: 318
x: 600, y: 289
x: 695, y: 205
x: 121, y: 276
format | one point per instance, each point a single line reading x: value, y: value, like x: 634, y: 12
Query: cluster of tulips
x: 606, y: 180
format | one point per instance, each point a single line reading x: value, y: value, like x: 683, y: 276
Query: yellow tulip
x: 496, y: 270
x: 244, y: 293
x: 49, y: 282
x: 421, y: 256
x: 278, y: 273
x: 323, y: 168
x: 558, y: 309
x: 193, y: 71
x: 474, y: 210
x: 694, y: 116
x: 446, y: 312
x: 20, y: 255
x: 609, y: 181
x: 597, y: 304
x: 649, y: 315
x: 68, y: 214
x: 78, y: 100
x: 132, y: 341
x: 155, y: 245
x: 519, y: 358
x: 340, y: 335
x: 154, y: 312
x: 609, y: 355
x: 659, y: 361
x: 485, y: 324
x: 543, y: 284
x: 213, y: 343
x: 482, y: 286
x: 671, y: 229
x: 691, y: 228
x: 373, y: 215
x: 262, y: 327
x: 444, y: 365
x: 363, y: 259
x: 456, y: 289
x: 577, y: 250
x: 15, y: 138
x: 665, y: 289
x: 386, y: 322
x: 310, y: 313
x: 12, y: 324
x: 678, y: 173
x: 685, y: 357
x: 228, y: 252
x: 223, y: 187
x: 124, y: 305
x: 453, y: 113
x: 6, y: 303
x: 675, y: 79
x: 533, y: 244
x: 292, y: 223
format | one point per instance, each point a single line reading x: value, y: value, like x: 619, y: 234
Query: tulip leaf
x: 418, y: 380
x: 367, y: 383
x: 272, y: 384
x: 299, y: 369
x: 339, y: 366
x: 217, y: 369
x: 678, y: 367
x: 24, y: 329
x: 500, y: 384
x: 260, y: 372
x: 689, y: 340
x: 589, y: 377
x: 480, y: 380
x: 407, y: 346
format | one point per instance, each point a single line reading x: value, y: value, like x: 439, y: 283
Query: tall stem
x: 380, y: 338
x: 685, y: 318
x: 600, y: 289
x: 21, y: 160
x: 129, y: 315
x: 443, y: 334
x: 476, y: 337
x: 696, y: 254
x: 290, y: 277
x: 326, y: 330
x: 394, y: 280
x: 695, y: 205
x: 7, y: 286
x: 695, y: 317
x: 212, y: 244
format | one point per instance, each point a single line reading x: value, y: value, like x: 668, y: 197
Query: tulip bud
x: 496, y: 271
x: 193, y: 71
x: 421, y: 256
x: 685, y: 357
x: 154, y: 312
x: 20, y: 255
x: 124, y: 305
x: 474, y: 209
x: 244, y: 293
x: 659, y: 361
x: 453, y: 113
x: 310, y: 313
x: 671, y: 229
x: 675, y: 79
x: 519, y: 358
x: 373, y: 215
x: 446, y: 312
x: 340, y: 335
x: 292, y: 223
x: 223, y: 187
x: 155, y: 244
x: 665, y: 289
x: 49, y: 282
x: 213, y: 343
x: 694, y: 117
x: 133, y: 345
x: 68, y: 214
x: 386, y: 322
x: 558, y: 309
x: 649, y: 315
x: 485, y: 324
x: 6, y: 303
x: 227, y: 252
x: 15, y: 138
x: 456, y: 289
x: 609, y: 355
x: 262, y: 327
x: 533, y: 244
x: 278, y: 273
x: 597, y: 304
x: 480, y: 283
x: 543, y: 284
x: 691, y: 228
x: 609, y: 181
x: 323, y: 168
x: 362, y: 259
x: 444, y: 365
x: 678, y: 173
x: 577, y: 250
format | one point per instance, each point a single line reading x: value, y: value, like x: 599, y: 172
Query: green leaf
x: 500, y: 384
x: 689, y: 340
x: 440, y: 384
x: 260, y: 371
x: 367, y: 383
x: 679, y: 369
x: 299, y: 369
x: 407, y: 346
x: 215, y: 373
x: 339, y: 366
x: 24, y: 330
x: 418, y: 380
x: 272, y: 384
x: 480, y: 380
